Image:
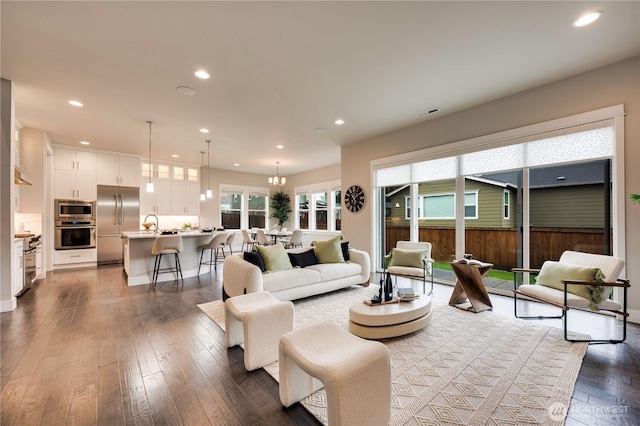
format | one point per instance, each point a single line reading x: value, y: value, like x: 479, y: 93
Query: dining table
x: 278, y: 234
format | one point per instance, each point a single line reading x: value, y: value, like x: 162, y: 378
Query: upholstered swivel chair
x: 247, y: 241
x: 408, y: 263
x: 215, y: 247
x: 167, y: 244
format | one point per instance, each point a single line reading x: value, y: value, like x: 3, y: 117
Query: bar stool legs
x: 177, y: 268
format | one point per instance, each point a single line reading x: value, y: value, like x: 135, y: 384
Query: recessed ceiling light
x: 587, y: 18
x: 279, y: 146
x: 203, y: 130
x: 84, y: 143
x: 202, y: 74
x: 339, y: 121
x: 175, y: 155
x: 185, y: 90
x: 320, y: 130
x: 236, y: 164
x: 76, y: 103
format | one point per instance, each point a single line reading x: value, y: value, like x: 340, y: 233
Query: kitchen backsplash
x: 170, y: 222
x: 28, y: 223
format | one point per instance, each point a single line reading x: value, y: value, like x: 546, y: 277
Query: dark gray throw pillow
x: 303, y: 259
x: 345, y: 250
x: 254, y: 258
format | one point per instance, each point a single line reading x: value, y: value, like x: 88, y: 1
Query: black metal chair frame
x: 156, y: 268
x: 620, y: 283
x: 425, y: 268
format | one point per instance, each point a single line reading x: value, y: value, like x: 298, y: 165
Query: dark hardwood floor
x: 83, y: 348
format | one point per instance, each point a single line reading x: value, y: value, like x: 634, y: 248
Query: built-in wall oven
x: 75, y: 224
x: 75, y: 234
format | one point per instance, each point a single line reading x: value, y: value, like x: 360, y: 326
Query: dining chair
x: 230, y: 239
x: 247, y: 240
x: 296, y: 239
x: 262, y: 238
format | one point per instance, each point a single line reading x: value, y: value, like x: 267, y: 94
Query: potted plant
x: 635, y: 198
x: 280, y: 207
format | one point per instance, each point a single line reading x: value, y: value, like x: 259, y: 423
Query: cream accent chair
x: 229, y: 242
x: 610, y: 266
x: 410, y: 271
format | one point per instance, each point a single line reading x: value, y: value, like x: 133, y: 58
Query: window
x: 443, y: 206
x: 257, y: 210
x: 302, y: 202
x: 231, y: 210
x: 506, y: 205
x: 439, y: 206
x: 318, y: 207
x: 470, y: 205
x: 320, y: 204
x: 337, y: 210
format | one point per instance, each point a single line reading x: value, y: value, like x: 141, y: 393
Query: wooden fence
x: 499, y: 245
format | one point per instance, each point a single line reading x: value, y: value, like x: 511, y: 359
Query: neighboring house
x: 569, y: 196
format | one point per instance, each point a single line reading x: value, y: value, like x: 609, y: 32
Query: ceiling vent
x: 432, y: 111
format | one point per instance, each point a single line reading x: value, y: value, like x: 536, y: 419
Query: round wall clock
x: 354, y: 198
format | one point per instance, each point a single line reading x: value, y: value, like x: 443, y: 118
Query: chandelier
x: 277, y: 180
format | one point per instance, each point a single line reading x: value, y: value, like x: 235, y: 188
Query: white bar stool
x: 167, y: 244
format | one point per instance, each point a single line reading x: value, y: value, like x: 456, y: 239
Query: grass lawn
x: 494, y: 273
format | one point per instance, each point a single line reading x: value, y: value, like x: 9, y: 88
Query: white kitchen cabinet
x: 157, y: 170
x: 117, y: 170
x: 39, y: 270
x: 185, y: 198
x: 18, y: 273
x: 186, y: 173
x: 70, y: 185
x: 74, y: 174
x: 74, y: 160
x: 67, y: 257
x: 159, y: 201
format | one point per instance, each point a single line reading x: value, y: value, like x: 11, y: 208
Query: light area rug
x: 462, y: 369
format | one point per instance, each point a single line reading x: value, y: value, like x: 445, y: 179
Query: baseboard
x: 634, y: 316
x: 8, y: 305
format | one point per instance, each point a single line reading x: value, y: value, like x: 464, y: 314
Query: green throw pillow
x: 329, y: 251
x: 275, y: 258
x: 552, y: 273
x: 411, y: 258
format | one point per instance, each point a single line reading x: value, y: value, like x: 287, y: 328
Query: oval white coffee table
x: 383, y: 321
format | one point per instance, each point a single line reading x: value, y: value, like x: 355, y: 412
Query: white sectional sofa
x: 240, y: 276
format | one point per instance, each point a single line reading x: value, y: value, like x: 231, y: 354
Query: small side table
x: 469, y: 285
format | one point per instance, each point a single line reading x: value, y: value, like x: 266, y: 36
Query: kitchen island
x: 138, y: 260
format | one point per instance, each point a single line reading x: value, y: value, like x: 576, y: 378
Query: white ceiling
x: 279, y: 70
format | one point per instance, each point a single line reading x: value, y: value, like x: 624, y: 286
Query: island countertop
x: 152, y: 234
x: 139, y: 262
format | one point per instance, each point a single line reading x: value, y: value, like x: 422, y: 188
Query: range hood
x: 20, y: 178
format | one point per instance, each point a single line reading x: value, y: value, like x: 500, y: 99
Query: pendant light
x: 277, y: 180
x: 150, y: 184
x: 209, y: 192
x: 202, y: 196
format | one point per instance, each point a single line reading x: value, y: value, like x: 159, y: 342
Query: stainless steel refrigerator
x: 117, y: 211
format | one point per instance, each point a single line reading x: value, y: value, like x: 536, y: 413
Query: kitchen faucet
x: 156, y: 224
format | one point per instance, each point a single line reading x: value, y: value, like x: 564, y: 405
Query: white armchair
x: 565, y: 298
x: 411, y: 266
